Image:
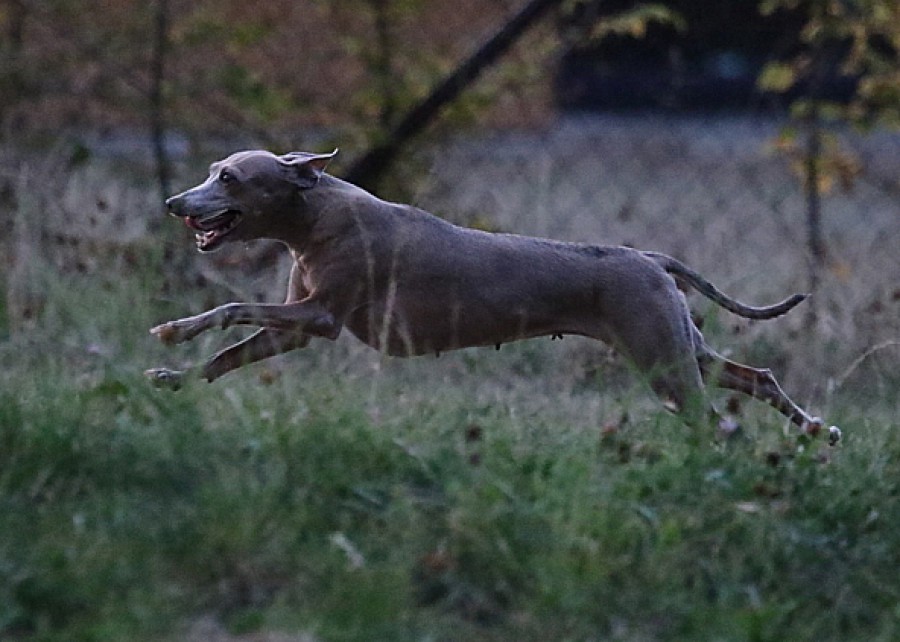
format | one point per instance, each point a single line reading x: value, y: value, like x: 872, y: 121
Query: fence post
x: 813, y: 196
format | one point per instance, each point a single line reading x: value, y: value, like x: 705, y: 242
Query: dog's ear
x: 304, y: 169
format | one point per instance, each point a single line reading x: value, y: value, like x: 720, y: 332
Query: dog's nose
x: 173, y: 203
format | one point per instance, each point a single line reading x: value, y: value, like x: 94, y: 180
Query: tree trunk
x: 157, y: 116
x: 12, y: 78
x: 384, y: 65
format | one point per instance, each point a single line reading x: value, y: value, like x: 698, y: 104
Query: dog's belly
x: 416, y: 328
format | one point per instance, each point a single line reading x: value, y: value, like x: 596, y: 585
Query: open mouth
x: 212, y: 229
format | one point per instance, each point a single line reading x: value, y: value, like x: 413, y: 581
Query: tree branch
x: 368, y: 169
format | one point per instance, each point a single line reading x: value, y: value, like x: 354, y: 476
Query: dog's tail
x: 704, y: 287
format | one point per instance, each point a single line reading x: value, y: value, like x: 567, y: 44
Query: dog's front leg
x: 306, y: 317
x: 260, y: 345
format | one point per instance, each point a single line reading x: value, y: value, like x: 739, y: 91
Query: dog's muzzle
x: 211, y: 228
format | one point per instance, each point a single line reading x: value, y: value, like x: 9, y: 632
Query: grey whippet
x: 409, y: 283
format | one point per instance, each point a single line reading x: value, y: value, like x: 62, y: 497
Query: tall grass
x: 333, y: 494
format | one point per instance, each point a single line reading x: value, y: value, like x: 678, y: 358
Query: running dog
x: 409, y: 283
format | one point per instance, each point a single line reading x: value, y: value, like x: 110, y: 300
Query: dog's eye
x: 226, y: 177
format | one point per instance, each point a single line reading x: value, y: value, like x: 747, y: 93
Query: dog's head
x: 244, y: 193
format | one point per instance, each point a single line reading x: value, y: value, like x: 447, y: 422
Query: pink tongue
x: 190, y: 223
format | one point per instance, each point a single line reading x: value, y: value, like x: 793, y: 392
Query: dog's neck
x: 331, y: 210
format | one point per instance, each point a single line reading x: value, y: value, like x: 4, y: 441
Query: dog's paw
x: 174, y: 332
x: 165, y: 378
x: 813, y: 427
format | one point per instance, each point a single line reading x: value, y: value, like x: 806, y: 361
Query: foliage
x: 837, y: 168
x: 263, y: 68
x: 857, y: 40
x: 632, y: 23
x: 866, y: 36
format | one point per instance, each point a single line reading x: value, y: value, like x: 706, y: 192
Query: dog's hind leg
x: 761, y: 384
x: 654, y: 334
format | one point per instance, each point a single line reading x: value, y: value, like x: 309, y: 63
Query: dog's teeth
x: 205, y: 238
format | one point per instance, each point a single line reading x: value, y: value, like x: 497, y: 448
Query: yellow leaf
x: 777, y: 77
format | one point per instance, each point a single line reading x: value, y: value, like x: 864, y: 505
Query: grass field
x: 533, y: 493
